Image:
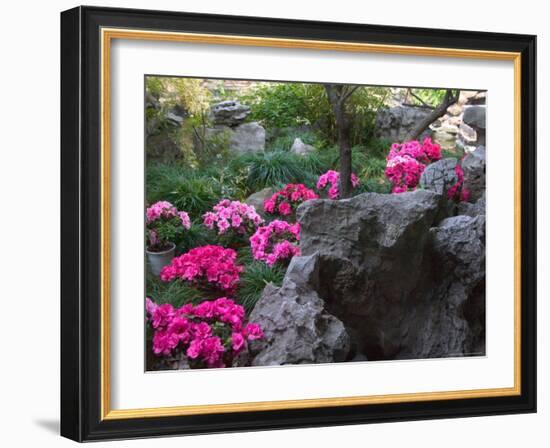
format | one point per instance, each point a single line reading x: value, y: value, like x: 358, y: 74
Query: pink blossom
x: 159, y: 215
x: 276, y: 241
x: 205, y: 265
x: 406, y: 163
x: 332, y: 179
x: 237, y: 216
x: 284, y: 208
x: 201, y: 332
x: 164, y: 342
x: 285, y: 201
x: 253, y: 332
x: 457, y: 192
x: 238, y: 342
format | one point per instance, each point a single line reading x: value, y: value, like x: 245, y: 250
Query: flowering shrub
x: 232, y: 215
x: 406, y: 163
x: 457, y: 192
x: 206, y: 267
x: 210, y: 334
x: 164, y: 224
x: 332, y: 179
x: 276, y: 241
x: 284, y: 202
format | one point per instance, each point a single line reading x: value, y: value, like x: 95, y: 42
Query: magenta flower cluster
x: 406, y: 163
x: 163, y: 209
x: 232, y: 215
x: 275, y: 242
x: 284, y: 202
x: 164, y: 222
x: 458, y: 192
x: 205, y: 266
x: 210, y: 334
x: 331, y: 179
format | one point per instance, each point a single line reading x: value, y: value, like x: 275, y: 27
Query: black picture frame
x: 81, y: 224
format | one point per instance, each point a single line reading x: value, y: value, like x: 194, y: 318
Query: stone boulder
x: 257, y: 199
x: 396, y: 122
x: 379, y: 269
x: 245, y: 138
x: 475, y: 117
x: 439, y: 176
x: 301, y: 148
x: 229, y: 113
x: 445, y: 136
x: 367, y: 247
x: 472, y: 209
x: 452, y: 322
x: 474, y: 172
x: 297, y: 328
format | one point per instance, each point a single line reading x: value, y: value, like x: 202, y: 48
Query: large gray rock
x: 452, y: 322
x: 474, y: 172
x: 245, y: 138
x: 445, y: 136
x: 475, y: 117
x: 297, y: 328
x: 257, y: 199
x: 472, y: 209
x: 248, y: 137
x: 403, y: 286
x: 229, y: 113
x: 396, y: 122
x: 439, y: 176
x: 301, y: 148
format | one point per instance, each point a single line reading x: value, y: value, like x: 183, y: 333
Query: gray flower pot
x: 157, y: 260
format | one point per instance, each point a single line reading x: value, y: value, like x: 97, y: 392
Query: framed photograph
x: 276, y: 224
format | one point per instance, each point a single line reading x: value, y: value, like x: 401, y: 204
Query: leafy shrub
x: 174, y: 293
x: 276, y: 169
x: 187, y: 189
x: 281, y: 105
x: 253, y: 281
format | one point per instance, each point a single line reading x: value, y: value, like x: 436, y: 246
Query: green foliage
x: 430, y: 97
x: 276, y: 168
x: 176, y: 293
x: 283, y: 139
x: 187, y: 189
x: 253, y: 281
x: 281, y: 105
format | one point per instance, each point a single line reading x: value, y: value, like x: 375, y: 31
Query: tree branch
x: 449, y: 99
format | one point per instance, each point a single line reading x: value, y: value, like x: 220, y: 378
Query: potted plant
x: 165, y: 224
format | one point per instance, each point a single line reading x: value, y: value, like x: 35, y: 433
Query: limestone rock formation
x: 297, y: 328
x: 384, y: 270
x: 229, y: 113
x: 301, y: 148
x: 396, y: 122
x: 474, y: 172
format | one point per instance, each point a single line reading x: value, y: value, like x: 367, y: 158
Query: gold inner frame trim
x: 107, y: 35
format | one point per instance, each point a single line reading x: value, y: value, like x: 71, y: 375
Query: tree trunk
x: 337, y: 96
x: 449, y: 99
x: 344, y: 128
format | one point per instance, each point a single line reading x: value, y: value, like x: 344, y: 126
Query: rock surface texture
x: 301, y: 148
x: 474, y: 172
x: 474, y: 116
x: 297, y: 327
x: 229, y: 113
x: 381, y: 276
x: 395, y: 123
x: 244, y: 138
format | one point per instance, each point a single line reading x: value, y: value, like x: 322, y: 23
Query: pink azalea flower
x: 284, y: 201
x: 197, y: 331
x: 332, y: 179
